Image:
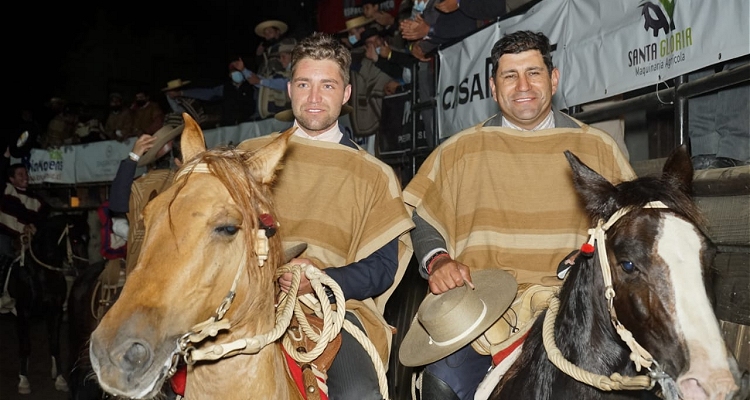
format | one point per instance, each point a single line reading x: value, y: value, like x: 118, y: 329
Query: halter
x: 638, y: 355
x: 70, y: 256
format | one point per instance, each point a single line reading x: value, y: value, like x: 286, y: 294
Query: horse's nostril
x: 136, y: 356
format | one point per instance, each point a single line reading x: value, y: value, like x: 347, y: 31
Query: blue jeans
x: 462, y: 371
x: 719, y: 121
x: 352, y: 375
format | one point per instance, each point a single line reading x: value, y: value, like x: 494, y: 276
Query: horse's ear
x: 591, y: 186
x: 266, y: 159
x: 192, y: 141
x: 678, y: 169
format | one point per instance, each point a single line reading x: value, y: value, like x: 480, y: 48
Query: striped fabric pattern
x: 19, y: 208
x: 505, y: 198
x: 370, y: 211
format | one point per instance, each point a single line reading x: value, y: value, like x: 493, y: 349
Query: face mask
x: 377, y: 50
x: 352, y: 39
x: 237, y: 77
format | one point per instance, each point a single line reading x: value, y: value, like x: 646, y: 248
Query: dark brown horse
x: 646, y: 276
x: 37, y: 283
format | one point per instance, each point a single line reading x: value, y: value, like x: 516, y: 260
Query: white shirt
x: 548, y: 123
x: 332, y: 135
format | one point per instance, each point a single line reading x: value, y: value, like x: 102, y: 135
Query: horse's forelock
x: 233, y: 170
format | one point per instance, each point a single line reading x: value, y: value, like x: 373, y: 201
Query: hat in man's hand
x: 174, y: 84
x: 282, y: 27
x: 163, y: 136
x: 449, y: 321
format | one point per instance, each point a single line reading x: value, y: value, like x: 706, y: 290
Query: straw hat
x: 165, y: 134
x: 447, y: 322
x: 288, y: 115
x: 287, y: 45
x: 282, y: 27
x: 356, y: 22
x: 174, y: 84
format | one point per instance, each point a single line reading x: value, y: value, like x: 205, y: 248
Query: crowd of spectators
x: 385, y: 44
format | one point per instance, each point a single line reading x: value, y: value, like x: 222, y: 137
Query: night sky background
x: 82, y: 51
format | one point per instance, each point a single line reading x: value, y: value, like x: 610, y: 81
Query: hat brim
x: 363, y: 23
x: 282, y: 27
x: 495, y: 287
x: 183, y: 84
x: 163, y: 136
x: 288, y: 115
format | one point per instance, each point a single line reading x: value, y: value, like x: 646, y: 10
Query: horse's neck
x: 584, y: 335
x: 259, y: 376
x: 583, y: 323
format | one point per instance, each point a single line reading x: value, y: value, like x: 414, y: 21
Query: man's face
x: 285, y: 58
x: 20, y: 178
x: 317, y: 91
x: 523, y: 88
x: 270, y: 33
x: 369, y: 10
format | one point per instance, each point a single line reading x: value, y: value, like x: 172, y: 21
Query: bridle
x: 26, y: 239
x: 640, y: 356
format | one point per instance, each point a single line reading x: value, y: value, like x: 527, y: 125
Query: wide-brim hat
x: 282, y: 27
x: 368, y: 33
x: 356, y: 22
x: 449, y: 321
x: 287, y: 45
x: 175, y: 84
x: 163, y: 136
x: 288, y: 115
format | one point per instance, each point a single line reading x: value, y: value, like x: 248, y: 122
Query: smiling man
x: 346, y: 205
x: 500, y: 195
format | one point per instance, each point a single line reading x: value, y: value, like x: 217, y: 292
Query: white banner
x: 55, y: 165
x: 99, y: 161
x: 603, y: 48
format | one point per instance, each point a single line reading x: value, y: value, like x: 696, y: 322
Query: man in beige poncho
x: 345, y: 204
x: 500, y: 194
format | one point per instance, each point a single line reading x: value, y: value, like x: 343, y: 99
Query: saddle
x: 311, y: 377
x: 108, y: 287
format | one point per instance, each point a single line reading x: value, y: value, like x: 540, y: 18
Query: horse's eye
x: 627, y: 266
x: 229, y: 230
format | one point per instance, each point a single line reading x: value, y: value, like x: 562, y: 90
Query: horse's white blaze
x: 679, y: 246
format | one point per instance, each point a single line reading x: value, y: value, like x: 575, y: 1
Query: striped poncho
x: 504, y: 198
x: 343, y: 202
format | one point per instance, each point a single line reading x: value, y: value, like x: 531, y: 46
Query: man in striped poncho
x: 500, y: 194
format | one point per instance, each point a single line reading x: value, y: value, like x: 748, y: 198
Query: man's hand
x: 254, y: 79
x: 370, y: 52
x: 285, y: 280
x: 418, y: 53
x: 391, y: 87
x: 29, y: 229
x: 260, y: 49
x: 414, y: 29
x: 447, y: 6
x: 143, y: 144
x: 448, y: 274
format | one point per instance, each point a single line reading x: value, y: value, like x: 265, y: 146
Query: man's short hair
x: 11, y: 172
x: 322, y: 46
x: 518, y: 42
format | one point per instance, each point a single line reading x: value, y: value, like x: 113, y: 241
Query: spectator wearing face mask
x: 237, y: 95
x: 354, y: 29
x: 148, y: 116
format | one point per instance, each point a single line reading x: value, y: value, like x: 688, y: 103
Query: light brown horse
x: 204, y: 247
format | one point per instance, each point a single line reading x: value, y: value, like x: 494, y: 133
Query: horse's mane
x: 638, y: 192
x: 232, y: 167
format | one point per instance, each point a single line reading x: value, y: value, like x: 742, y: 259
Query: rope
x: 322, y: 305
x: 612, y: 382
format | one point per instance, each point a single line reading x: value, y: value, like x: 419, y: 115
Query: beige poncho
x: 343, y: 202
x: 504, y: 198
